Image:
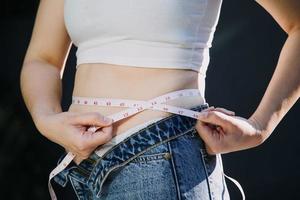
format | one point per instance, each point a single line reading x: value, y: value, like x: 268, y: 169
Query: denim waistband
x: 94, y: 170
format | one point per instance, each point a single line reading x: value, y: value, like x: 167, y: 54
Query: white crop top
x: 143, y: 33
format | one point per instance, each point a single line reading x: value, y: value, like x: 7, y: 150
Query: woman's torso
x: 140, y: 49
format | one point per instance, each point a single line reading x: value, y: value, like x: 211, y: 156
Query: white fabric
x: 143, y: 33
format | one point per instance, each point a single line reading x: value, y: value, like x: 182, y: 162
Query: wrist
x: 261, y: 129
x: 39, y: 116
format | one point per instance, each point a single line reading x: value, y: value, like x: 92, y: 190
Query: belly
x: 115, y: 81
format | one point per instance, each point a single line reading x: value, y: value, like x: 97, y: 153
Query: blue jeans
x: 165, y: 160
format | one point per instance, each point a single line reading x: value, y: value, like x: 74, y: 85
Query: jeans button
x: 167, y: 156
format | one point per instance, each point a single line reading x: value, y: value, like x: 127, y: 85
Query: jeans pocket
x: 148, y: 176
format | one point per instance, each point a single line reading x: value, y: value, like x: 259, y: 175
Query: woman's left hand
x: 223, y: 132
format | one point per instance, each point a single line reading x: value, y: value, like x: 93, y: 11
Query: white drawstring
x: 231, y: 179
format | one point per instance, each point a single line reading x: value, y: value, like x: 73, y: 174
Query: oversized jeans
x: 166, y: 160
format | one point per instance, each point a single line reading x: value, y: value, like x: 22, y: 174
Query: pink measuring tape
x: 135, y: 106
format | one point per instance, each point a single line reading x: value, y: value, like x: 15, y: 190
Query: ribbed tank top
x: 143, y: 33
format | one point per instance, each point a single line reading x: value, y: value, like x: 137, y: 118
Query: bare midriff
x: 136, y: 83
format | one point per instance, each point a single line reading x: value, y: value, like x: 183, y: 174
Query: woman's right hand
x: 69, y: 130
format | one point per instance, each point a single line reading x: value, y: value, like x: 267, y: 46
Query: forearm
x: 283, y: 89
x: 41, y: 88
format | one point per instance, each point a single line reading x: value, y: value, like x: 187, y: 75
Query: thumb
x: 214, y: 117
x: 101, y: 137
x: 90, y: 119
x: 205, y: 132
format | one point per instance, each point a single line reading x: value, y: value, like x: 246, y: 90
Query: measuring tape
x: 135, y: 106
x: 138, y: 105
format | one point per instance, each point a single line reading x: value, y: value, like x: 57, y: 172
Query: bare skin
x: 45, y: 61
x: 41, y: 88
x: 112, y: 81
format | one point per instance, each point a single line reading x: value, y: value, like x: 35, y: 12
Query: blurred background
x: 245, y: 50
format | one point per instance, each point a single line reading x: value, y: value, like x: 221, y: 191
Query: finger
x: 100, y: 137
x: 209, y: 108
x: 109, y: 129
x: 90, y: 119
x: 226, y: 111
x: 78, y: 159
x: 94, y: 128
x: 220, y: 130
x: 210, y: 136
x: 205, y: 132
x: 214, y: 117
x: 208, y: 150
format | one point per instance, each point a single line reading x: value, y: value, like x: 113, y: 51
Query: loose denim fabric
x: 165, y: 160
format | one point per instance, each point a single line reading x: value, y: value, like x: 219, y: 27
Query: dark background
x: 243, y: 58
